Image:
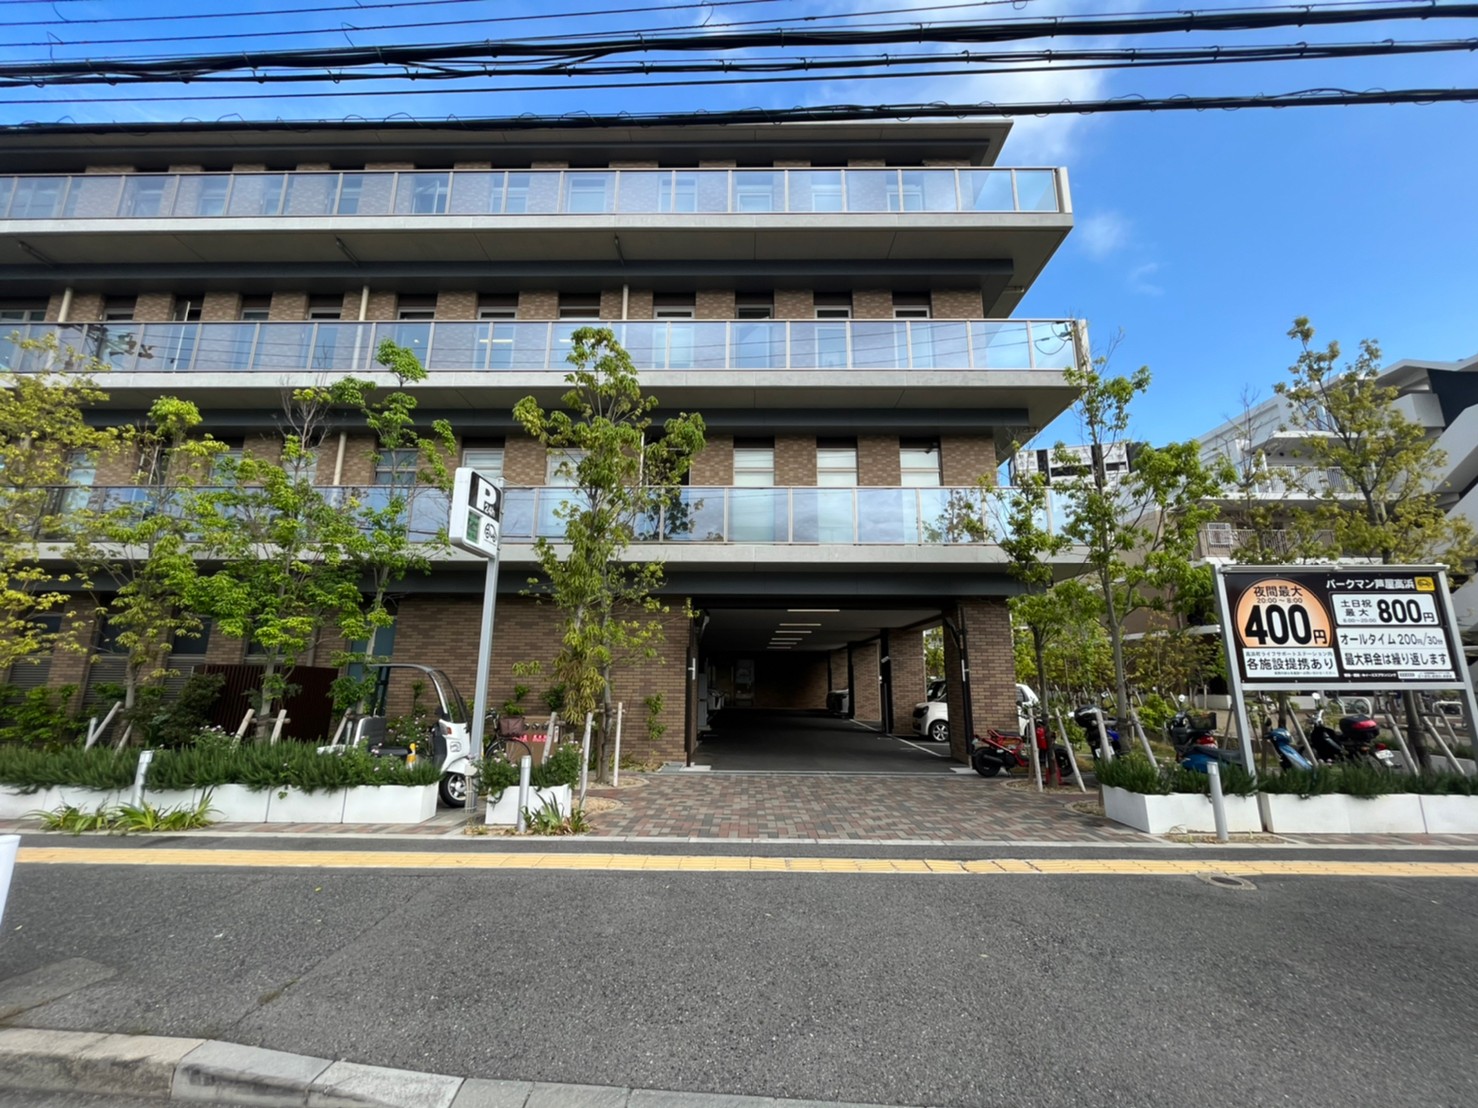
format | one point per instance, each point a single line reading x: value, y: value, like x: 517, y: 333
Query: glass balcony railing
x: 797, y: 515
x: 489, y: 346
x: 526, y: 192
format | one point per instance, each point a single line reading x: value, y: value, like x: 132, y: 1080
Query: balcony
x: 821, y: 346
x: 1221, y: 542
x: 799, y: 516
x: 425, y: 193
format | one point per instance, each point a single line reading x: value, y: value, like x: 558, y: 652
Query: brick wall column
x: 865, y: 682
x: 714, y: 304
x: 538, y: 304
x: 288, y: 307
x: 153, y: 307
x: 872, y: 304
x: 456, y: 305
x: 877, y: 461
x: 795, y: 460
x: 714, y: 464
x: 906, y: 656
x: 965, y: 459
x: 987, y: 624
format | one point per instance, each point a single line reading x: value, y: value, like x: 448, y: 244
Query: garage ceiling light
x: 800, y: 625
x: 809, y: 611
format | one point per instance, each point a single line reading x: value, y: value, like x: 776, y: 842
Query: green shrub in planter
x: 285, y: 765
x: 560, y: 768
x: 495, y: 776
x: 1352, y: 780
x: 1444, y: 783
x: 1134, y: 773
x: 31, y: 769
x: 1235, y: 781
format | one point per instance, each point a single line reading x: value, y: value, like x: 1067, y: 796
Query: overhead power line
x: 189, y: 68
x: 773, y: 69
x: 1305, y: 98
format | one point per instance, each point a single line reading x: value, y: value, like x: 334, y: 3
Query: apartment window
x: 256, y: 309
x: 588, y: 192
x: 186, y: 309
x: 755, y: 306
x: 107, y: 636
x: 678, y: 192
x: 119, y: 308
x: 423, y: 193
x: 836, y: 463
x: 911, y: 306
x: 487, y: 459
x: 499, y: 306
x: 758, y: 192
x: 834, y: 305
x: 415, y: 307
x: 754, y: 463
x: 918, y: 463
x: 327, y: 306
x: 142, y: 197
x: 682, y: 305
x: 351, y: 191
x: 225, y: 465
x: 210, y: 199
x: 397, y: 468
x: 36, y: 197
x: 22, y: 311
x: 193, y: 644
x: 561, y: 468
x: 579, y: 305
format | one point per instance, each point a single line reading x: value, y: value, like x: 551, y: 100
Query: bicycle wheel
x: 514, y: 749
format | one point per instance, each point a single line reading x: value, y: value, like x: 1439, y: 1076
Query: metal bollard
x: 1218, y: 802
x: 525, y: 767
x: 137, y: 795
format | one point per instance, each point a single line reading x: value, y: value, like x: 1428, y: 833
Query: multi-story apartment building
x: 835, y: 299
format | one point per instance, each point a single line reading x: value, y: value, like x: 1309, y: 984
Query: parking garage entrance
x: 813, y: 690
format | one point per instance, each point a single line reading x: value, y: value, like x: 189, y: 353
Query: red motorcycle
x: 1006, y: 750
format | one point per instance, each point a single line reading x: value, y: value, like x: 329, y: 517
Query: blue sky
x: 1200, y: 234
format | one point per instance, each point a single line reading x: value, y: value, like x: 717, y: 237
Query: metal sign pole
x: 1459, y: 661
x: 1234, y: 676
x: 480, y: 697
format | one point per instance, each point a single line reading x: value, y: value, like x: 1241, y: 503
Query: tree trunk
x: 1414, y: 737
x: 1116, y: 645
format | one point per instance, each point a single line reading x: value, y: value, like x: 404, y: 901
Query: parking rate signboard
x: 476, y: 513
x: 1339, y: 627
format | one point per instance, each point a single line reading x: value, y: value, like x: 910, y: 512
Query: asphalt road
x: 952, y: 991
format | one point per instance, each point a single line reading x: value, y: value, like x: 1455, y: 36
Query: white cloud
x: 1139, y: 280
x: 1102, y: 235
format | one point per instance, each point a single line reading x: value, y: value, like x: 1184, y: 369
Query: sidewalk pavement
x: 205, y: 1071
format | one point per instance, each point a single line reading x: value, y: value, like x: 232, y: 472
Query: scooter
x: 448, y: 738
x: 1087, y: 718
x: 1001, y: 750
x: 1195, y: 742
x: 1356, y: 740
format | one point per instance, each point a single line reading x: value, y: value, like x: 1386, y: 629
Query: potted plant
x: 1173, y: 798
x: 551, y: 783
x: 1340, y: 800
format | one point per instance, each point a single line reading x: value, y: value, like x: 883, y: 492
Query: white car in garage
x: 931, y: 718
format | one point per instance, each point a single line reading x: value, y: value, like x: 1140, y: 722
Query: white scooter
x: 448, y: 739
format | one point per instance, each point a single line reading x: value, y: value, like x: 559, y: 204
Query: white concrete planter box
x: 15, y: 804
x: 504, y: 810
x: 166, y: 799
x: 1394, y: 814
x: 389, y: 804
x: 1314, y: 815
x: 88, y: 800
x: 289, y: 805
x: 1340, y: 814
x: 237, y: 804
x: 1450, y: 815
x: 1157, y: 814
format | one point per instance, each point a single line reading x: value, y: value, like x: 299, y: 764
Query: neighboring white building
x: 1070, y: 461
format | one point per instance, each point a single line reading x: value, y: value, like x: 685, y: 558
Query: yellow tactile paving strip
x: 725, y: 863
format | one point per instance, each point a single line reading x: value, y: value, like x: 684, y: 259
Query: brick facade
x: 538, y: 304
x: 714, y: 465
x: 795, y: 460
x: 714, y: 304
x: 878, y: 461
x: 987, y: 624
x: 906, y: 663
x: 456, y: 305
x: 872, y: 304
x: 866, y: 682
x: 965, y: 459
x: 795, y: 304
x: 957, y: 304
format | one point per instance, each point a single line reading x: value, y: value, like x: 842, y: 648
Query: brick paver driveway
x: 936, y: 808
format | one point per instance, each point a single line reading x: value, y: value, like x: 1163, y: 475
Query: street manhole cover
x: 1226, y: 881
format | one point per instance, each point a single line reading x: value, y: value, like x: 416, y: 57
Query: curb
x: 203, y: 1071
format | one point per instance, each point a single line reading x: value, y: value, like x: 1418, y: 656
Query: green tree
x: 1138, y: 532
x: 141, y: 548
x: 45, y: 438
x: 1034, y: 546
x: 620, y: 475
x: 283, y: 550
x: 1369, y: 469
x: 387, y: 544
